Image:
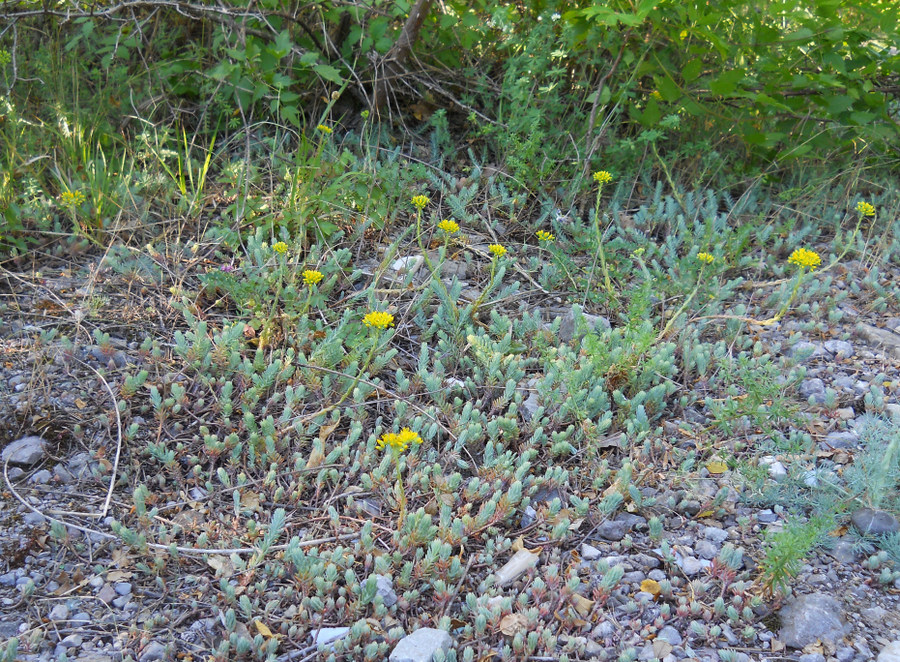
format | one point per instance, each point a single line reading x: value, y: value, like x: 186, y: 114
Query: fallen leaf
x: 512, y: 623
x: 582, y: 605
x: 250, y: 500
x: 519, y: 544
x: 661, y: 648
x: 705, y: 513
x: 650, y: 586
x: 263, y: 629
x: 716, y: 467
x: 221, y: 564
x: 117, y: 576
x: 326, y: 430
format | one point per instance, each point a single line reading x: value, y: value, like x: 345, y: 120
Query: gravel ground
x: 75, y: 588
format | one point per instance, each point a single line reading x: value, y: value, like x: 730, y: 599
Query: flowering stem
x: 490, y: 285
x: 600, y: 252
x: 790, y: 300
x: 668, y: 326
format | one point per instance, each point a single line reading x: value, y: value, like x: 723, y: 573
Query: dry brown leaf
x: 263, y: 629
x: 221, y: 564
x: 519, y: 544
x: 650, y: 586
x: 326, y: 430
x: 118, y: 576
x: 512, y: 623
x: 582, y: 605
x: 250, y: 500
x: 661, y: 648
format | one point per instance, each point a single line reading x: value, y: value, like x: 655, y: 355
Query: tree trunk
x: 392, y: 66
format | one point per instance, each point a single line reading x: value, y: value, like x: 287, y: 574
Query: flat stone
x: 843, y: 551
x: 613, y: 530
x: 421, y: 645
x: 589, y: 552
x: 60, y: 612
x: 408, y: 265
x: 152, y: 651
x: 26, y: 451
x: 520, y: 562
x: 325, y: 636
x: 809, y: 618
x: 890, y: 653
x: 839, y: 348
x: 804, y: 349
x: 671, y: 635
x: 812, y: 657
x: 123, y: 588
x: 570, y: 328
x: 874, y: 522
x: 715, y: 534
x: 839, y: 439
x: 884, y: 340
x: 705, y: 549
x: 41, y: 477
x: 812, y: 388
x: 107, y: 594
x: 691, y: 565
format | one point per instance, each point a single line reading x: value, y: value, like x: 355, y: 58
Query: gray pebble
x: 812, y: 657
x: 839, y: 347
x: 812, y: 388
x: 120, y: 602
x: 420, y: 646
x: 839, y: 439
x: 123, y: 588
x: 671, y: 635
x: 72, y: 641
x: 715, y: 534
x: 385, y: 589
x: 34, y: 519
x: 705, y: 549
x: 656, y: 575
x: 41, y: 477
x: 60, y: 612
x: 152, y: 651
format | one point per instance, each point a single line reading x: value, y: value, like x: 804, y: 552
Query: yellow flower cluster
x: 419, y: 201
x: 378, y: 320
x: 281, y: 248
x: 312, y: 277
x: 706, y: 257
x: 805, y: 258
x: 448, y: 226
x: 323, y: 128
x: 71, y: 198
x: 865, y: 208
x: 543, y: 235
x: 497, y: 250
x: 602, y: 177
x: 398, y: 441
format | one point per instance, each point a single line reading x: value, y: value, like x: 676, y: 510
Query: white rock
x: 420, y: 646
x: 518, y: 564
x: 325, y: 636
x: 408, y: 265
x: 890, y: 653
x: 776, y: 469
x: 589, y: 552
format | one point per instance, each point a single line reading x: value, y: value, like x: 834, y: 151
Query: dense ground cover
x: 514, y: 341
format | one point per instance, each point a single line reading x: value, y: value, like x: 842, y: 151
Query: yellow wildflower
x: 71, y: 198
x: 448, y: 226
x: 656, y: 95
x: 543, y: 235
x: 602, y: 177
x: 398, y: 442
x: 378, y: 320
x: 281, y: 248
x: 497, y: 250
x: 323, y: 128
x: 419, y: 201
x: 312, y: 277
x: 706, y: 257
x: 805, y: 258
x: 865, y: 208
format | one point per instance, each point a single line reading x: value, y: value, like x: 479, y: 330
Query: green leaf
x: 691, y: 70
x: 726, y: 82
x: 329, y: 73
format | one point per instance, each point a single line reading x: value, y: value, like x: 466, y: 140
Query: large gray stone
x: 885, y: 341
x: 874, y: 522
x: 808, y: 618
x: 571, y: 328
x: 421, y: 645
x: 25, y: 451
